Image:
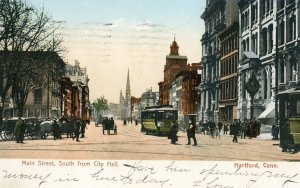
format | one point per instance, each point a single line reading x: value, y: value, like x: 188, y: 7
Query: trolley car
x: 158, y: 119
x: 289, y: 114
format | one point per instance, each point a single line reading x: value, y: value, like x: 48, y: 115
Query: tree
x: 24, y: 28
x: 37, y: 71
x: 100, y: 104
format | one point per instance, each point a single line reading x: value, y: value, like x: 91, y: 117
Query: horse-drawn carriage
x: 32, y: 128
x: 108, y: 125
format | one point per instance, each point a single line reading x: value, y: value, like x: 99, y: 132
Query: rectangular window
x: 38, y: 96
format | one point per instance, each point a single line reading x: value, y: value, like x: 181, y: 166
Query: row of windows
x: 214, y: 21
x: 284, y: 35
x: 229, y: 66
x: 228, y: 89
x: 281, y: 3
x: 266, y: 8
x: 229, y: 45
x: 289, y: 32
x: 266, y: 42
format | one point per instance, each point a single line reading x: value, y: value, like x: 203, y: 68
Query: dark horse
x: 67, y: 126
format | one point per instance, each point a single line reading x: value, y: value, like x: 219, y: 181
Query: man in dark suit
x: 191, y: 133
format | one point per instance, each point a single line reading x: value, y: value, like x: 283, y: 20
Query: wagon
x: 32, y: 130
x: 108, y: 125
x: 7, y: 129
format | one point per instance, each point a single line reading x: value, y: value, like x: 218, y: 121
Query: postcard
x: 143, y: 93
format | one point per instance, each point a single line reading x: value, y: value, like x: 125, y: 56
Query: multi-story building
x: 184, y: 95
x: 209, y: 87
x: 229, y: 37
x: 42, y: 101
x: 288, y: 43
x: 174, y: 64
x: 258, y: 23
x: 75, y: 91
x: 178, y: 82
x: 149, y: 98
x: 219, y: 61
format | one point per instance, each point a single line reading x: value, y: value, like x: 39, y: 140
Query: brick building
x: 174, y: 64
x: 229, y: 38
x: 75, y: 92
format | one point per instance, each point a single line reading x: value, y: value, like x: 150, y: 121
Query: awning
x: 289, y: 91
x: 268, y: 116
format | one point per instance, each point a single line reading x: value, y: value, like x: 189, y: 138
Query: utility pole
x: 277, y: 120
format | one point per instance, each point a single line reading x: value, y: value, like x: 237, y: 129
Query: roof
x: 250, y: 55
x: 176, y: 57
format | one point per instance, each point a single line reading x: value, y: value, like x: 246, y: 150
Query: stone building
x: 266, y: 25
x: 217, y: 15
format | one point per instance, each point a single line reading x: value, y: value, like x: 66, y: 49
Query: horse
x: 67, y: 127
x: 45, y: 129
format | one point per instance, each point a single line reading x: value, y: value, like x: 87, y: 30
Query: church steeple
x: 128, y: 92
x: 174, y: 48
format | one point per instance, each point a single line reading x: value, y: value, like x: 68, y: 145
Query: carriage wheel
x: 2, y: 135
x: 33, y: 136
x: 9, y: 135
x: 115, y: 131
x: 103, y: 131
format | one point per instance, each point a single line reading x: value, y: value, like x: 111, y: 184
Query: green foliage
x: 101, y: 104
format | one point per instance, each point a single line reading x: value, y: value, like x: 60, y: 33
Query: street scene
x: 130, y: 143
x: 214, y: 80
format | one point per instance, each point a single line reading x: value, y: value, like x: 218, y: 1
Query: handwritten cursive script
x: 155, y: 174
x: 211, y: 176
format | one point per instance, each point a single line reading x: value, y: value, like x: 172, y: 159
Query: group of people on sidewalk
x: 249, y: 128
x: 236, y: 128
x: 78, y: 128
x: 191, y: 133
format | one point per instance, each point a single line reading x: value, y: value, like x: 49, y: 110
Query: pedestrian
x: 20, y: 131
x: 225, y: 129
x: 191, y: 133
x: 235, y: 130
x: 77, y: 129
x: 82, y: 128
x: 275, y: 131
x: 243, y: 129
x: 173, y: 132
x: 212, y: 128
x: 220, y: 125
x: 55, y: 130
x: 287, y: 139
x: 136, y: 122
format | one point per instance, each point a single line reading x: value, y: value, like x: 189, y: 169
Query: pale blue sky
x: 110, y: 36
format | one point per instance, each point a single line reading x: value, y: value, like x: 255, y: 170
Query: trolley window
x: 170, y: 114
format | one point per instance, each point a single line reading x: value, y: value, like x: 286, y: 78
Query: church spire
x: 128, y: 92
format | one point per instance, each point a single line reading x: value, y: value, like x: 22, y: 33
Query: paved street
x: 131, y: 144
